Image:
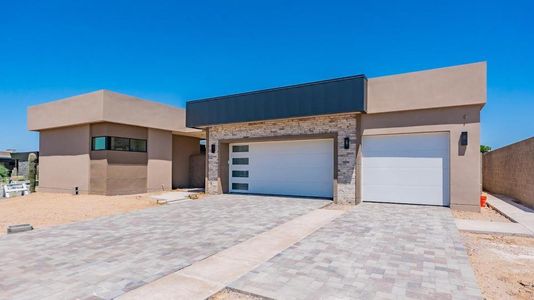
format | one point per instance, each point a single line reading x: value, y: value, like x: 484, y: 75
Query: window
x: 239, y: 173
x: 118, y: 144
x: 137, y: 145
x: 240, y: 148
x: 99, y: 143
x: 240, y: 186
x: 240, y: 161
x: 202, y: 146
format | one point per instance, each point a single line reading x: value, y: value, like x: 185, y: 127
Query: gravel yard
x: 48, y: 209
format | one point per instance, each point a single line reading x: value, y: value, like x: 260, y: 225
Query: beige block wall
x: 64, y: 159
x: 159, y: 175
x: 340, y: 126
x: 465, y: 181
x: 510, y: 171
x: 183, y: 147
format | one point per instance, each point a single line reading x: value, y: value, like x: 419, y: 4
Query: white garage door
x: 406, y: 168
x: 296, y: 168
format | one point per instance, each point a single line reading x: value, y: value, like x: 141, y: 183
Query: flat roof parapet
x: 106, y: 106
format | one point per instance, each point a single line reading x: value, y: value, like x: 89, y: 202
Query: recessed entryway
x: 406, y: 168
x: 292, y: 168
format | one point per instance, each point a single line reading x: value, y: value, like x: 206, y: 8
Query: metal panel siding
x: 318, y: 98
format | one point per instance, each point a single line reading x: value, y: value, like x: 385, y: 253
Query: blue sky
x: 171, y: 51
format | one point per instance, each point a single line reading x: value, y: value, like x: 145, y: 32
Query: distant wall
x: 510, y: 171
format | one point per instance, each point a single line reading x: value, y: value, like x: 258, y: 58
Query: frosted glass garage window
x: 240, y: 148
x: 240, y: 186
x: 240, y: 160
x: 239, y: 173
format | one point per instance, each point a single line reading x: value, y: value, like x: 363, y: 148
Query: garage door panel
x: 404, y: 194
x: 407, y: 176
x: 406, y: 168
x: 300, y: 168
x: 317, y: 174
x: 406, y: 162
x: 312, y: 188
x: 417, y: 143
x: 297, y: 160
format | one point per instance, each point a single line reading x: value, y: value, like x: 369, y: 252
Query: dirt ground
x: 503, y: 265
x: 228, y: 294
x: 48, y: 209
x: 486, y: 214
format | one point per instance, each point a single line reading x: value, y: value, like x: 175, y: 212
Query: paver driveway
x: 373, y: 251
x: 105, y: 257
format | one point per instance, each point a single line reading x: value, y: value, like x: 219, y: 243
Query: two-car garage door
x: 406, y: 168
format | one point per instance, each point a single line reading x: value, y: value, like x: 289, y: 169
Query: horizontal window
x: 99, y: 143
x: 137, y: 145
x: 240, y: 148
x: 118, y: 144
x: 240, y: 161
x: 240, y: 186
x: 239, y: 173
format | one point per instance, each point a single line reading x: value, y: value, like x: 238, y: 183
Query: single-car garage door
x: 406, y: 168
x: 295, y: 168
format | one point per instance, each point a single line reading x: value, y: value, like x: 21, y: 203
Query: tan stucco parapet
x: 445, y: 87
x: 107, y: 106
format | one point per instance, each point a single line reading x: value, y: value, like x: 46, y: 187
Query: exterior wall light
x: 346, y: 143
x: 463, y: 138
x: 212, y: 148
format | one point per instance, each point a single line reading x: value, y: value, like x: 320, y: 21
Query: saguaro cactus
x: 32, y: 172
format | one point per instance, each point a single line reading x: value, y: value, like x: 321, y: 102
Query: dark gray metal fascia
x: 340, y: 95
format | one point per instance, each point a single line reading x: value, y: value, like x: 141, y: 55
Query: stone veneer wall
x: 342, y: 125
x: 510, y: 171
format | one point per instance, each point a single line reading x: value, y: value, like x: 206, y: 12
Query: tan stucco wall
x: 64, y: 159
x: 197, y: 170
x: 107, y: 106
x: 465, y: 181
x: 510, y: 171
x: 118, y: 172
x: 445, y: 87
x: 182, y: 148
x: 81, y: 109
x: 159, y: 160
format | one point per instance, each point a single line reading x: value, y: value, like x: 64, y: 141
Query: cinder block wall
x: 510, y: 171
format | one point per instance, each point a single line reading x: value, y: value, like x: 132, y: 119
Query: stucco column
x: 159, y: 168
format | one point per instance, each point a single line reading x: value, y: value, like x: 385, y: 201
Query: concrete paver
x: 374, y: 251
x: 106, y: 257
x: 215, y: 272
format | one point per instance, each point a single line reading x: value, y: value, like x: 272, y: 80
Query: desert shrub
x: 4, y: 173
